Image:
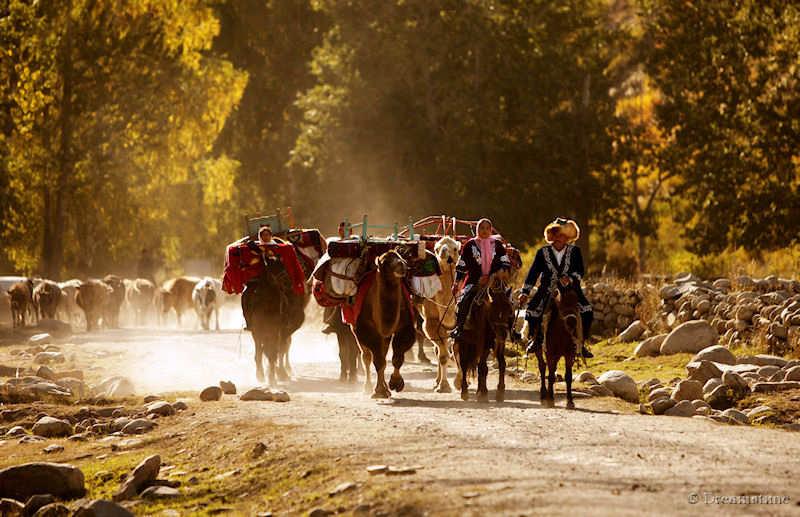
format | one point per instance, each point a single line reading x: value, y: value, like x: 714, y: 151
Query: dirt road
x: 511, y: 458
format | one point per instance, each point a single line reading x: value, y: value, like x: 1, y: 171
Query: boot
x: 586, y: 321
x: 535, y: 346
x: 586, y: 353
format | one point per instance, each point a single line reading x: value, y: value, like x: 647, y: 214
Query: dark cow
x: 21, y: 295
x: 92, y: 297
x: 140, y: 295
x: 46, y: 298
x: 176, y: 294
x: 114, y: 303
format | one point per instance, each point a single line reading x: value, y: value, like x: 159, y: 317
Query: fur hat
x: 565, y: 226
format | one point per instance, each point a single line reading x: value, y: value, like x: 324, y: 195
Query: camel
x: 275, y: 311
x: 487, y: 331
x: 348, y: 347
x: 386, y: 316
x: 439, y: 313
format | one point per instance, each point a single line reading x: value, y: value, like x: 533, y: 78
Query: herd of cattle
x: 98, y: 303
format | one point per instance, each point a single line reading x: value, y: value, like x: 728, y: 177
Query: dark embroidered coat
x: 547, y: 270
x: 469, y: 263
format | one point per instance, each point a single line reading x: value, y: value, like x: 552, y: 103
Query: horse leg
x: 483, y: 372
x: 542, y: 376
x: 568, y: 379
x: 402, y: 340
x: 552, y: 365
x: 500, y: 355
x: 463, y: 368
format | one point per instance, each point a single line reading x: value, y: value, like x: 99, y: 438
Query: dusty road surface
x: 513, y: 458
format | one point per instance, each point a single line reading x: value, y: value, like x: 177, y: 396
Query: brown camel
x: 486, y: 331
x: 386, y: 317
x: 563, y: 338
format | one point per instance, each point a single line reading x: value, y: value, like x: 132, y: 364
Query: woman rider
x: 480, y: 258
x: 560, y: 262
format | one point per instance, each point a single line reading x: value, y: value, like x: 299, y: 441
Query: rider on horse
x: 480, y: 257
x: 560, y: 262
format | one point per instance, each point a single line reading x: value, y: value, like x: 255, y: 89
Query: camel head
x: 447, y: 250
x: 392, y: 266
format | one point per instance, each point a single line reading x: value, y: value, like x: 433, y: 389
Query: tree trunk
x: 55, y: 202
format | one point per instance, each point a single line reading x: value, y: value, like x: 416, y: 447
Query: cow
x: 207, y: 298
x: 140, y: 296
x: 21, y: 294
x: 68, y: 309
x: 114, y: 303
x: 46, y: 298
x: 92, y: 297
x: 176, y: 293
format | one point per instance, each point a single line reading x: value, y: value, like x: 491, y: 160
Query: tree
x: 729, y: 72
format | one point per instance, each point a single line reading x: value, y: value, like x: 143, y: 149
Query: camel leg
x: 421, y: 357
x: 343, y: 356
x: 259, y: 354
x: 501, y: 366
x: 442, y: 384
x: 568, y: 379
x: 402, y: 340
x: 379, y: 362
x: 366, y: 360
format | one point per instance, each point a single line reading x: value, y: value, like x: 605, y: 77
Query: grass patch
x: 614, y: 356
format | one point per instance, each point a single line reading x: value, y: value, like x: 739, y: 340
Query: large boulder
x: 763, y: 360
x: 688, y: 390
x: 717, y: 354
x: 682, y: 408
x: 211, y: 393
x: 50, y: 427
x: 702, y: 371
x: 721, y: 398
x: 792, y: 374
x: 23, y: 481
x: 691, y: 337
x: 650, y: 347
x: 661, y: 405
x: 621, y: 385
x: 633, y: 332
x: 115, y: 387
x: 145, y: 473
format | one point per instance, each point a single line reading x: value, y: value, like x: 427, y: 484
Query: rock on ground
x: 160, y: 492
x: 50, y: 427
x: 228, y: 388
x: 144, y: 473
x: 688, y: 390
x: 717, y: 354
x: 23, y: 481
x: 210, y: 394
x: 115, y: 387
x: 702, y: 371
x: 160, y: 408
x: 101, y: 508
x: 682, y: 408
x: 692, y: 337
x: 621, y: 385
x: 633, y: 332
x: 53, y: 510
x: 650, y: 347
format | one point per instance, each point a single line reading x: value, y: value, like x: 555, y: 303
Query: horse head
x: 566, y: 303
x: 391, y: 266
x: 501, y: 312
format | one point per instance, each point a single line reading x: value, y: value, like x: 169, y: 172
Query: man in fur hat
x: 560, y: 262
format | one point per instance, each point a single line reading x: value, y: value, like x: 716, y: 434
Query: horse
x: 439, y: 313
x: 487, y: 330
x: 563, y: 338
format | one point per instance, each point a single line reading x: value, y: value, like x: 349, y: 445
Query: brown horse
x: 562, y: 339
x: 386, y: 317
x: 486, y: 331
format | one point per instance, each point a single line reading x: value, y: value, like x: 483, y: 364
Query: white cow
x: 207, y: 297
x: 68, y: 307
